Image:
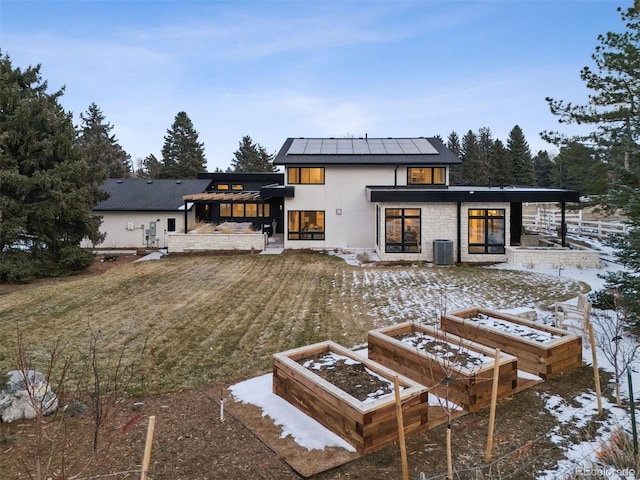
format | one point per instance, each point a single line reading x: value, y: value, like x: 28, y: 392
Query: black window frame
x: 433, y: 169
x: 299, y: 175
x: 301, y: 233
x: 403, y: 246
x: 488, y: 247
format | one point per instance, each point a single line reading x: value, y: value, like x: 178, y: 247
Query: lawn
x: 187, y: 322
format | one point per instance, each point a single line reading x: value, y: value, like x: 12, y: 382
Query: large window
x: 244, y: 210
x: 306, y: 225
x: 426, y: 176
x: 402, y: 230
x: 305, y: 175
x: 486, y: 231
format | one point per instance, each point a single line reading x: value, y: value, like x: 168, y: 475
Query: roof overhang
x: 469, y: 194
x: 277, y: 191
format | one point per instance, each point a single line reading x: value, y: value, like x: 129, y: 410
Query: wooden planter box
x: 466, y: 384
x: 542, y: 350
x: 368, y: 426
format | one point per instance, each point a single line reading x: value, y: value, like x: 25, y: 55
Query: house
x: 393, y: 195
x: 388, y: 194
x: 256, y: 198
x: 141, y: 212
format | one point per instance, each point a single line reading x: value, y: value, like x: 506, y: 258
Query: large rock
x: 15, y: 401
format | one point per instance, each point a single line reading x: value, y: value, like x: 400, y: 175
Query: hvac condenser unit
x: 443, y: 252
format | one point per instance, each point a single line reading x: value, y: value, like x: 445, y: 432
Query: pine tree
x: 455, y: 171
x: 251, y: 157
x: 500, y: 165
x: 182, y: 153
x: 485, y: 151
x: 523, y: 170
x: 100, y: 149
x: 151, y: 167
x: 473, y: 170
x: 45, y: 199
x: 543, y: 166
x: 579, y: 168
x: 614, y: 112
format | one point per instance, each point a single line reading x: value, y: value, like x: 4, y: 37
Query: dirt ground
x: 190, y: 441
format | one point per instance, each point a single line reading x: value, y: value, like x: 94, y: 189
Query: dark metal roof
x: 365, y: 151
x: 470, y: 194
x: 131, y: 194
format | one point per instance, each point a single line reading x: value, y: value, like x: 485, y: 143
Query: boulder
x: 15, y: 402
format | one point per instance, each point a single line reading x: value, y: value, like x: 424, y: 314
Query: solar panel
x: 360, y: 146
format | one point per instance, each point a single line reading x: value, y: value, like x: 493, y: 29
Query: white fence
x: 548, y: 220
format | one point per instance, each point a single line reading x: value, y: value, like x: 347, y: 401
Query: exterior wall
x: 555, y: 257
x: 191, y: 242
x: 343, y: 190
x: 120, y: 235
x: 437, y: 221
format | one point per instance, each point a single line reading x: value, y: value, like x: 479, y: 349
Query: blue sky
x: 274, y: 69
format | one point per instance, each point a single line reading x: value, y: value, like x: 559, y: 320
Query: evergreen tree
x: 485, y: 154
x: 501, y: 166
x: 45, y: 198
x: 455, y: 171
x: 182, y: 153
x: 473, y: 170
x: 100, y: 149
x: 579, y: 168
x: 151, y: 167
x: 251, y: 157
x: 613, y: 111
x: 523, y: 169
x: 543, y: 166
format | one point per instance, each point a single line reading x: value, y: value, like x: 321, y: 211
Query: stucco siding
x: 349, y: 216
x: 127, y: 229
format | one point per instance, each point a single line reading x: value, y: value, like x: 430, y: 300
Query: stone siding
x: 179, y: 242
x: 553, y: 257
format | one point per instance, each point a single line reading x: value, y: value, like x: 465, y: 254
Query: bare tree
x: 611, y: 340
x: 47, y: 432
x: 107, y: 381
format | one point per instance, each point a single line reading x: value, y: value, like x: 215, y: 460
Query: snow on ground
x: 311, y: 435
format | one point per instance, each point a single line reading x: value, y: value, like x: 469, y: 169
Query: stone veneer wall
x: 201, y: 242
x: 553, y: 257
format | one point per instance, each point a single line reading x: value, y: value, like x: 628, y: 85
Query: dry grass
x: 216, y: 319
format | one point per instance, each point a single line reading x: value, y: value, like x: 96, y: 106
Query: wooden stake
x: 147, y: 448
x: 449, y: 454
x: 596, y: 372
x: 494, y: 401
x: 403, y: 446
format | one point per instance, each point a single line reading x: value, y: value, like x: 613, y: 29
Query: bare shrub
x: 617, y: 451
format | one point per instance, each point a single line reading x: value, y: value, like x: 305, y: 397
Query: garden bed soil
x: 455, y: 369
x: 368, y: 424
x: 541, y: 350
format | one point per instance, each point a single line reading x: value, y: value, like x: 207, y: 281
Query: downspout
x: 186, y: 218
x: 563, y: 225
x: 459, y: 234
x: 395, y: 177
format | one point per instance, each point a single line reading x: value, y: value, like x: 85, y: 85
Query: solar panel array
x: 361, y: 146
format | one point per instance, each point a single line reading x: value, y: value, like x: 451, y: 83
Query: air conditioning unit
x: 443, y: 252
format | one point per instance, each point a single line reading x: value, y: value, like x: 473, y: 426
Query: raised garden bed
x: 368, y: 422
x: 542, y: 350
x: 453, y: 368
